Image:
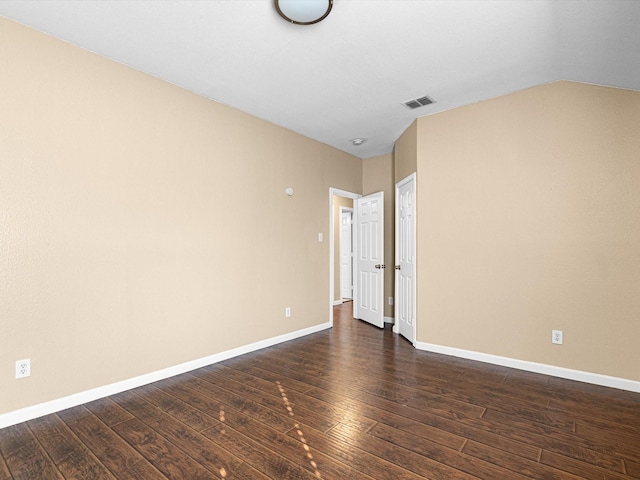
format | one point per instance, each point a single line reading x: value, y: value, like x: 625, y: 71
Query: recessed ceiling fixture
x: 358, y: 141
x: 418, y: 102
x: 303, y: 12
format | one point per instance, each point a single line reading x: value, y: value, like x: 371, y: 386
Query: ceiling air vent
x: 417, y: 102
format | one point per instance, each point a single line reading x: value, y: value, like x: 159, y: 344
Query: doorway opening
x: 346, y: 255
x: 337, y: 199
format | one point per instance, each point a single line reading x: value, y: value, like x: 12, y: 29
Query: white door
x: 346, y: 254
x: 405, y: 310
x: 369, y: 232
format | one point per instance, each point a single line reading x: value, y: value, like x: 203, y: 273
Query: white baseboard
x: 35, y: 411
x: 337, y: 302
x: 578, y: 375
x: 390, y: 320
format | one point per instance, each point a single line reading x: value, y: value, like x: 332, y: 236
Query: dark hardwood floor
x: 353, y: 402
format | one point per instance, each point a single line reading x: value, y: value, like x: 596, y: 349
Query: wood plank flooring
x: 353, y: 402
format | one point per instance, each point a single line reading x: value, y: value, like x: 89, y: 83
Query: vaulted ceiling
x: 348, y: 76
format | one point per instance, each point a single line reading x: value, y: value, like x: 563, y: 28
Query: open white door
x: 369, y: 281
x: 405, y: 311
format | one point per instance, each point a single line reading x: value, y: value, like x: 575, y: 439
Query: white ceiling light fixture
x: 303, y: 12
x: 358, y: 141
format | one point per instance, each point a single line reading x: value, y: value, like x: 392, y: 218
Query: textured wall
x: 528, y: 221
x: 143, y: 226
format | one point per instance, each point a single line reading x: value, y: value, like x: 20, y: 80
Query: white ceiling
x: 347, y: 76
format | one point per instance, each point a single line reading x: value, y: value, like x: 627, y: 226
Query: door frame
x: 400, y: 184
x: 340, y: 193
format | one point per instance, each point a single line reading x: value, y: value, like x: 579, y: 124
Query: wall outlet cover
x: 557, y: 337
x: 23, y: 368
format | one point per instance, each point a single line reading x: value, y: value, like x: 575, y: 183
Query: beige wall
x: 338, y: 202
x: 528, y: 221
x: 143, y: 226
x: 405, y: 155
x: 377, y: 175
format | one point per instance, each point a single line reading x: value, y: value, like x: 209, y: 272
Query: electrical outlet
x: 287, y: 312
x: 390, y: 300
x: 23, y: 368
x: 556, y: 337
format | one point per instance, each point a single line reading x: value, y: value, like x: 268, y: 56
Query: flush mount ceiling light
x: 358, y: 141
x: 303, y: 12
